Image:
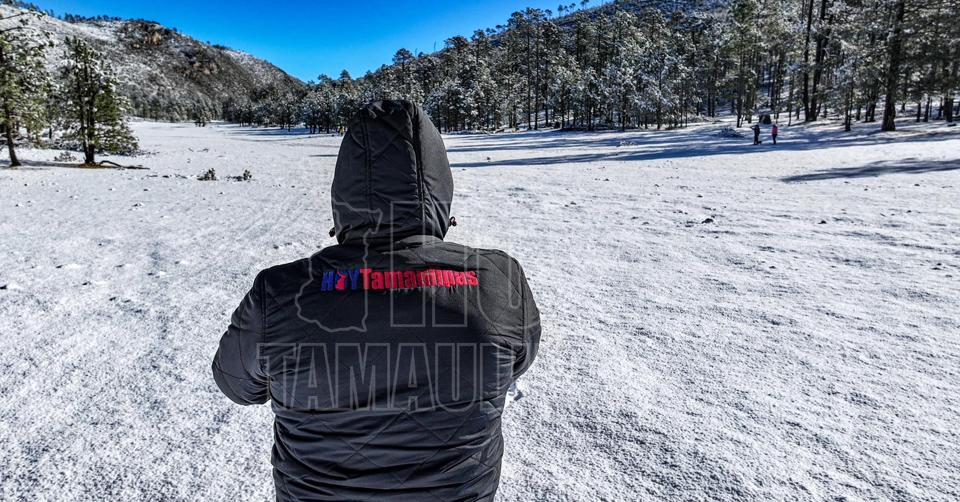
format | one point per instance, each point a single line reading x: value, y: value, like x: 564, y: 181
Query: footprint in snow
x: 70, y: 266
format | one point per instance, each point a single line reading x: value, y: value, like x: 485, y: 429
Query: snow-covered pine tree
x: 94, y: 110
x: 588, y: 67
x: 113, y: 135
x: 403, y: 81
x: 24, y: 82
x: 347, y: 96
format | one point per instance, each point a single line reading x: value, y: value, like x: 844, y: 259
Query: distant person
x: 387, y: 357
x: 773, y: 133
x: 756, y: 134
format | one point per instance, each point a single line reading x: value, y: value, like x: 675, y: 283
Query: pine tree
x: 24, y: 83
x: 635, y: 63
x: 94, y: 110
x: 113, y: 134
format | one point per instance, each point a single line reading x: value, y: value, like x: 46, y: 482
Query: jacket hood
x: 392, y: 178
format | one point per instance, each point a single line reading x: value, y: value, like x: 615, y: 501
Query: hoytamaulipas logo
x: 369, y: 279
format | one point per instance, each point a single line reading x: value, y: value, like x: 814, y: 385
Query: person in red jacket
x: 773, y: 133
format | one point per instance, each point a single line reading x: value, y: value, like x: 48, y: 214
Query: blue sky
x: 307, y: 38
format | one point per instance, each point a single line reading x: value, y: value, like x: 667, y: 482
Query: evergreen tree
x: 24, y: 83
x: 633, y: 63
x: 112, y: 133
x: 94, y: 110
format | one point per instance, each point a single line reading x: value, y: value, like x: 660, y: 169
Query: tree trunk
x: 8, y: 124
x: 948, y: 83
x: 806, y: 63
x: 8, y: 133
x: 790, y: 102
x: 893, y: 70
x: 89, y: 136
x: 848, y: 106
x: 823, y: 33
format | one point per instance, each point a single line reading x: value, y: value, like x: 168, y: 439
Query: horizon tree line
x: 641, y: 63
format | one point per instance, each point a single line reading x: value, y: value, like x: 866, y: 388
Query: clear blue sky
x: 307, y: 38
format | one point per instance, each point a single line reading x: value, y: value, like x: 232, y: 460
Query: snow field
x: 720, y: 320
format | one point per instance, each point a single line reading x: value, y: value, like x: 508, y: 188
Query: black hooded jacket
x: 387, y: 357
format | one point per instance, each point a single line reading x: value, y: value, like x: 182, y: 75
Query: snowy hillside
x: 721, y: 321
x: 165, y: 74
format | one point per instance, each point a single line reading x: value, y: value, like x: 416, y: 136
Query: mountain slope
x: 165, y: 74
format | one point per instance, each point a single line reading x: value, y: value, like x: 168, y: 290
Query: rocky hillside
x: 166, y: 75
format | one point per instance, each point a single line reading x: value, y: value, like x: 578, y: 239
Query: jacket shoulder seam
x: 513, y: 281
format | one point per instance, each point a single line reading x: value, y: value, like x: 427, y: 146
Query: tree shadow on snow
x: 47, y: 164
x: 556, y: 139
x: 657, y: 145
x: 273, y: 132
x: 901, y: 166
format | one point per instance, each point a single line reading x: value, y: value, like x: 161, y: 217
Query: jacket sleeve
x: 237, y: 367
x: 530, y: 318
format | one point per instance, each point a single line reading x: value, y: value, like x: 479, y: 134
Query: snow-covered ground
x: 720, y: 320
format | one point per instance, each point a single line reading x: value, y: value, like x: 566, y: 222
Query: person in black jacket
x: 387, y: 357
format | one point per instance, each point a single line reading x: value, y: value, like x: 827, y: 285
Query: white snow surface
x: 801, y: 345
